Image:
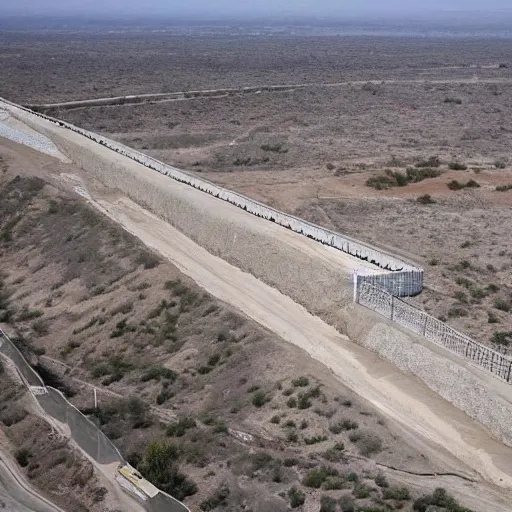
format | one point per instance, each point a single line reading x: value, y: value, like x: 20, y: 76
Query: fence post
x: 392, y: 306
x: 354, y: 278
x: 425, y: 325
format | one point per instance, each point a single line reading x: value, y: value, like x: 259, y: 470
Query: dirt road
x: 16, y: 494
x: 220, y: 93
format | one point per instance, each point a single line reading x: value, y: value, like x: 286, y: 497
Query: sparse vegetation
x: 503, y: 188
x: 439, y: 498
x: 457, y: 166
x: 425, y: 199
x: 297, y: 498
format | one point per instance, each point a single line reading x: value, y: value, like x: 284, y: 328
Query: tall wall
x: 405, y: 279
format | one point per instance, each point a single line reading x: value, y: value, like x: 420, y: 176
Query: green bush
x: 315, y: 478
x: 502, y: 305
x: 416, y: 175
x: 381, y: 480
x: 432, y: 161
x: 290, y: 462
x: 367, y: 443
x: 343, y: 425
x: 179, y: 429
x: 333, y: 483
x: 292, y: 402
x: 502, y: 337
x: 259, y: 399
x: 160, y: 467
x: 218, y: 499
x: 396, y: 493
x: 275, y: 419
x: 301, y: 382
x: 361, y: 491
x: 157, y: 373
x: 455, y: 185
x: 297, y: 498
x: 439, y: 498
x: 503, y: 188
x: 327, y: 504
x: 314, y: 440
x: 457, y: 166
x: 22, y: 457
x: 425, y: 199
x: 347, y: 504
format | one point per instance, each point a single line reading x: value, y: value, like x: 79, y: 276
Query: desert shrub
x: 290, y: 462
x: 292, y: 402
x: 259, y: 399
x: 213, y: 360
x: 22, y: 457
x: 462, y: 281
x: 333, y: 454
x: 492, y: 318
x: 503, y: 188
x: 455, y: 185
x: 160, y: 467
x: 275, y: 419
x: 502, y: 305
x: 460, y: 296
x: 343, y: 425
x: 297, y: 498
x: 425, y: 199
x: 333, y: 483
x: 432, y: 161
x: 122, y: 327
x: 361, y: 491
x: 203, y: 370
x: 472, y: 184
x: 457, y: 312
x: 40, y: 327
x: 347, y: 504
x: 368, y: 443
x: 416, y: 175
x: 288, y: 392
x: 290, y: 424
x: 157, y: 373
x: 502, y: 337
x: 315, y: 478
x: 218, y: 499
x: 327, y: 504
x: 330, y: 166
x: 396, y: 493
x: 163, y: 396
x: 381, y: 480
x: 387, y: 180
x: 301, y: 382
x: 500, y: 164
x: 27, y: 314
x: 315, y: 440
x: 352, y: 477
x: 439, y: 498
x: 179, y: 429
x: 275, y: 148
x: 303, y: 424
x: 303, y: 401
x: 148, y: 260
x: 292, y: 436
x: 455, y: 101
x: 457, y: 166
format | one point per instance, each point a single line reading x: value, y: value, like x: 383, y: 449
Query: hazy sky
x: 222, y: 7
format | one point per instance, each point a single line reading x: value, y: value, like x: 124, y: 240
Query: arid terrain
x: 250, y: 421
x: 311, y: 150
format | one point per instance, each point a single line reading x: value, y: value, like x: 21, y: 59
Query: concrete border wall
x: 405, y: 278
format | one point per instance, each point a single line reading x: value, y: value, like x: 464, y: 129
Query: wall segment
x: 404, y: 278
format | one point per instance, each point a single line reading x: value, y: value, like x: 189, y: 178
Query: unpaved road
x: 16, y: 494
x: 219, y: 93
x: 422, y: 414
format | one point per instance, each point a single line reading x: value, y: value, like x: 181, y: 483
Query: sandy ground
x: 444, y: 432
